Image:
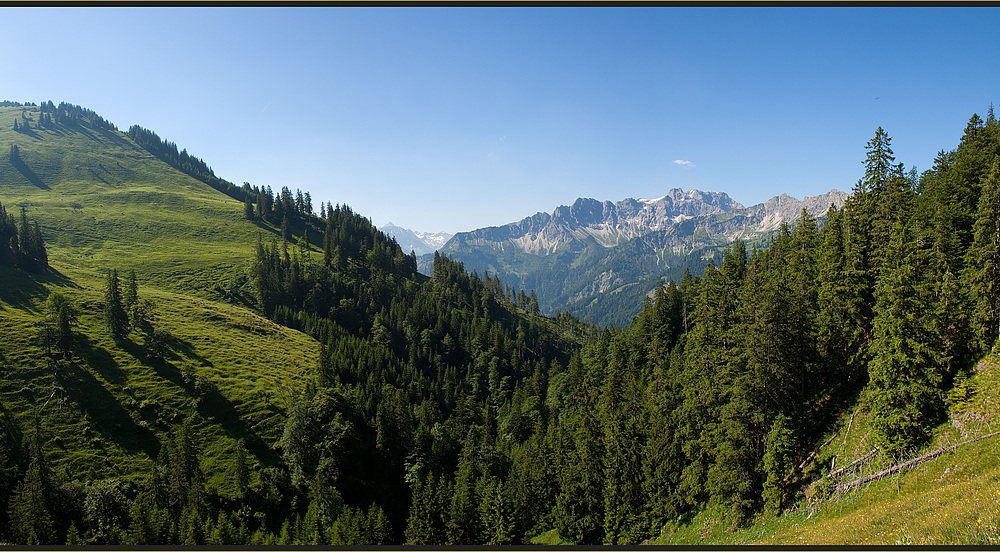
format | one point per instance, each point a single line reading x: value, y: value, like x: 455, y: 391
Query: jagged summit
x: 609, y: 224
x: 420, y: 243
x: 590, y: 251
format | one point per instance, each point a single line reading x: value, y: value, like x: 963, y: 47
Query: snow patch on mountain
x: 419, y: 242
x: 678, y: 213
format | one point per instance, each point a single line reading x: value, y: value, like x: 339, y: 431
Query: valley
x: 597, y: 260
x: 678, y: 371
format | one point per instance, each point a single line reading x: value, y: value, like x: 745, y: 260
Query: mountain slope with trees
x: 597, y: 260
x: 225, y: 426
x: 198, y: 368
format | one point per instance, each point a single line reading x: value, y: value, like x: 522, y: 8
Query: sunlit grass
x: 236, y: 370
x: 952, y: 499
x: 104, y: 203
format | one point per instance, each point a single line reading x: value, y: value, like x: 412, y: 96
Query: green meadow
x: 104, y: 203
x: 207, y: 357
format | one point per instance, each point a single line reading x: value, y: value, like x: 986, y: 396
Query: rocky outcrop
x: 678, y: 213
x: 596, y: 259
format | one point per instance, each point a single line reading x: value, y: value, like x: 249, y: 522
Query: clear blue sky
x: 442, y: 119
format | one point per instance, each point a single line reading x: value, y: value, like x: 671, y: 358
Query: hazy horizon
x: 451, y: 119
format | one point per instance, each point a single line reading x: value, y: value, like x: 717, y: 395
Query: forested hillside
x: 313, y: 388
x: 179, y: 442
x: 598, y: 260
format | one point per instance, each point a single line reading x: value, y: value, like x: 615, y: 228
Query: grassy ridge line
x: 101, y: 201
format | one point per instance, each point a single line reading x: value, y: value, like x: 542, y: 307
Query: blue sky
x: 450, y: 119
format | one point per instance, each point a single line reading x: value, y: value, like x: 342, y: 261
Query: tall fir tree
x: 984, y: 262
x: 904, y: 375
x: 115, y: 317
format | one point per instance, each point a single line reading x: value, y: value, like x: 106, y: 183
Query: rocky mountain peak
x: 588, y: 220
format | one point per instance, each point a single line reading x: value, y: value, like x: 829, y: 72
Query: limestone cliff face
x: 676, y: 217
x: 597, y: 259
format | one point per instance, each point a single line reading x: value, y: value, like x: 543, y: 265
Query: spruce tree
x: 839, y: 320
x: 130, y: 299
x: 115, y: 317
x: 983, y: 262
x: 26, y: 251
x: 905, y: 372
x: 463, y: 522
x: 41, y: 255
x: 8, y: 238
x: 59, y: 316
x: 30, y: 517
x: 248, y: 212
x: 495, y: 513
x: 779, y: 455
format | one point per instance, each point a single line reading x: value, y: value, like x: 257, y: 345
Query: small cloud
x: 683, y: 163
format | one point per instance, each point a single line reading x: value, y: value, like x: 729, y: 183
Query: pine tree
x: 839, y: 322
x: 325, y: 506
x: 495, y: 513
x: 59, y: 316
x: 428, y: 518
x: 115, y: 317
x: 39, y: 252
x: 130, y: 300
x: 779, y: 454
x: 8, y: 238
x: 141, y: 529
x: 31, y: 522
x: 905, y: 372
x: 984, y: 262
x: 463, y: 519
x: 419, y: 523
x: 26, y: 252
x: 578, y: 510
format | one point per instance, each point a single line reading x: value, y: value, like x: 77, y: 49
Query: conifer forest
x: 445, y: 409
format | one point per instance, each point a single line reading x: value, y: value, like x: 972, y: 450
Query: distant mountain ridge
x: 421, y: 243
x: 607, y: 223
x: 579, y: 255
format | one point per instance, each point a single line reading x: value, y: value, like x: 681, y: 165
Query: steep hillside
x: 279, y: 392
x: 104, y: 411
x: 948, y: 492
x: 102, y: 200
x: 257, y: 379
x: 597, y: 260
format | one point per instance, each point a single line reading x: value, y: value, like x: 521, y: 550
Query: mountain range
x: 263, y: 376
x: 420, y: 243
x: 597, y: 259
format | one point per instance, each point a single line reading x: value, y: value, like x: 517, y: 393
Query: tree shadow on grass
x: 53, y: 276
x: 107, y: 416
x: 217, y: 409
x: 100, y: 361
x: 23, y: 289
x: 170, y: 346
x: 29, y: 174
x: 213, y: 406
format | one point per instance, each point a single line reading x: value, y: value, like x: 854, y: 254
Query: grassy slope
x: 102, y: 202
x: 951, y: 499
